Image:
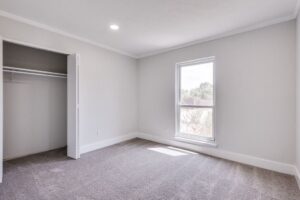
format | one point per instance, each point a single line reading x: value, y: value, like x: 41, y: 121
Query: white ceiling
x: 150, y: 26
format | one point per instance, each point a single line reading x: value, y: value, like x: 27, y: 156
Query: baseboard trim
x: 105, y: 143
x: 241, y: 158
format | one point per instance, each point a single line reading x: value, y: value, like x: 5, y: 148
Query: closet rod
x: 33, y: 72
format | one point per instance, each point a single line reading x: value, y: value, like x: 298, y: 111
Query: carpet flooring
x: 143, y: 170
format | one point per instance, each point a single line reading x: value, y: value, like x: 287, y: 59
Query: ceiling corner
x: 61, y: 32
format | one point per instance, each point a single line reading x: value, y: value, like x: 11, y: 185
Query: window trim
x: 187, y: 137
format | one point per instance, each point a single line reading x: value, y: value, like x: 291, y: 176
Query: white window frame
x: 184, y: 136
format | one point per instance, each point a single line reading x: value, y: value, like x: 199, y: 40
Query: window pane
x: 196, y: 121
x: 197, y: 84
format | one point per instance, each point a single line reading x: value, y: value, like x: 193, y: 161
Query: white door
x: 73, y: 107
x: 1, y: 110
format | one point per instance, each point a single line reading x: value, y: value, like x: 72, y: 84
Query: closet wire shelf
x: 33, y: 72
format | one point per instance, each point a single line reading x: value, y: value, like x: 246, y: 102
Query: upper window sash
x: 180, y: 66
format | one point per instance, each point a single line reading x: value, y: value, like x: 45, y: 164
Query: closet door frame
x: 76, y: 133
x: 73, y: 107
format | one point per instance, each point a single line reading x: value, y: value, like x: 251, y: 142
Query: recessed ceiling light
x: 114, y: 27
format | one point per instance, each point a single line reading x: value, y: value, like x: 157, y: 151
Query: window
x: 195, y: 100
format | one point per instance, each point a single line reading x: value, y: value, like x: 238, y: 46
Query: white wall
x: 298, y: 100
x: 255, y: 81
x: 107, y: 82
x: 35, y: 114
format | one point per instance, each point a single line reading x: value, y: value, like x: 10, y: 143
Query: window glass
x: 197, y: 84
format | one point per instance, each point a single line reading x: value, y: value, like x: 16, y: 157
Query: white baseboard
x: 106, y: 143
x: 241, y: 158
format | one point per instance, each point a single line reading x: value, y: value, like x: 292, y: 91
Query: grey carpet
x: 139, y: 169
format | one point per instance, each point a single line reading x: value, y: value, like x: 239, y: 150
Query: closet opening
x: 40, y: 101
